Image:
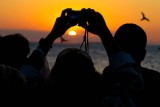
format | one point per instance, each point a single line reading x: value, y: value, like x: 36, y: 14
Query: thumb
x: 83, y: 24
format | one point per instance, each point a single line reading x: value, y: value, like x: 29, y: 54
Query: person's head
x: 132, y: 39
x: 14, y: 50
x: 73, y: 64
x: 74, y: 74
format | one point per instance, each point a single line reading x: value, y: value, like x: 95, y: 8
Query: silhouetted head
x: 74, y: 76
x: 132, y: 39
x: 14, y: 50
x: 73, y: 64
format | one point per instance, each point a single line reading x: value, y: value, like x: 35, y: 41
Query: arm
x: 96, y: 25
x: 36, y: 60
x: 125, y: 78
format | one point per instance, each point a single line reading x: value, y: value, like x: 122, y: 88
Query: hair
x: 132, y: 39
x: 74, y: 76
x: 14, y: 49
x: 73, y: 62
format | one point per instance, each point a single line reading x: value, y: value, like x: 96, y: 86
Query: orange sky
x: 40, y: 15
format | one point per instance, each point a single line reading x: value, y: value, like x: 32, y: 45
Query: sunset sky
x: 31, y: 16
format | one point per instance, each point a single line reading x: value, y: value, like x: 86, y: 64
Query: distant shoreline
x: 36, y: 35
x: 68, y: 43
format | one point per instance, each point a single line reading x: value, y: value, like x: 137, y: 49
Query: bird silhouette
x: 63, y: 40
x: 144, y: 17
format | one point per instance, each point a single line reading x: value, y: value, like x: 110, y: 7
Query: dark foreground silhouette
x: 132, y: 39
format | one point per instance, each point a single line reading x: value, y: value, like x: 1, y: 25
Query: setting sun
x: 40, y: 16
x: 72, y: 33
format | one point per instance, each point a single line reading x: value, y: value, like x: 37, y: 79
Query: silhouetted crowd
x: 73, y: 81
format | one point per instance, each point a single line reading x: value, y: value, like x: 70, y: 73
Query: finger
x: 84, y: 16
x: 65, y: 11
x: 84, y: 24
x: 67, y: 22
x: 89, y: 10
x: 83, y: 10
x: 92, y: 10
x: 71, y: 23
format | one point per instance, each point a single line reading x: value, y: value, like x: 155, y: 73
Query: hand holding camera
x: 74, y: 15
x: 95, y: 22
x: 61, y: 25
x: 89, y: 19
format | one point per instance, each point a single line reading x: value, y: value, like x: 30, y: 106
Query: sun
x: 72, y: 33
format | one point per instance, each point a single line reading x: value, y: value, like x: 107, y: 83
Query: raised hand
x: 93, y: 21
x: 62, y: 24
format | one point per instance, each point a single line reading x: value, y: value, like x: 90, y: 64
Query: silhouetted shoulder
x: 150, y: 75
x: 12, y: 83
x: 151, y: 90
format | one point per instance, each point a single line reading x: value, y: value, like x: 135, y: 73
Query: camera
x: 74, y: 15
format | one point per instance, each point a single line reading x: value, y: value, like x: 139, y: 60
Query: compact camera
x: 74, y: 15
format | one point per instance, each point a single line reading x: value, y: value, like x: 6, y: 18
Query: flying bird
x: 62, y: 39
x: 144, y: 17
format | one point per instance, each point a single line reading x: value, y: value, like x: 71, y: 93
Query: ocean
x: 99, y: 56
